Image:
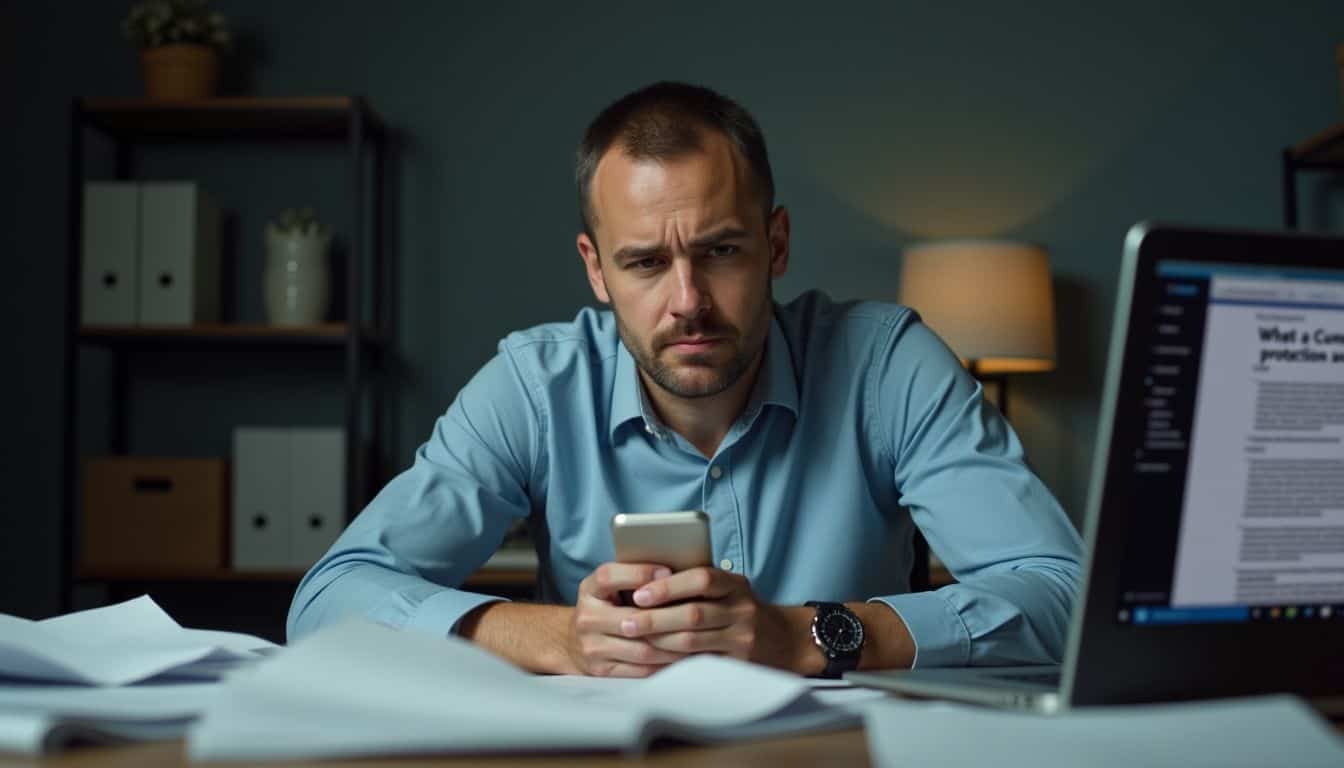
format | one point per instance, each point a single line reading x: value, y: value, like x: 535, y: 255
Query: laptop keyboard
x: 1042, y: 678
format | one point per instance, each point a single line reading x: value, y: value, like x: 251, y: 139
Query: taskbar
x: 1212, y: 614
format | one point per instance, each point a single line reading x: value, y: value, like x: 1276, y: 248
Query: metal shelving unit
x: 133, y: 124
x: 1322, y: 153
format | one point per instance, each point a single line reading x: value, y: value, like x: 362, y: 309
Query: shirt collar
x: 627, y: 395
x: 777, y: 386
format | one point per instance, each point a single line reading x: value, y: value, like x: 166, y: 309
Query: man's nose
x: 689, y: 298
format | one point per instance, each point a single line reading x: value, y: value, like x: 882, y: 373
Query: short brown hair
x: 664, y: 121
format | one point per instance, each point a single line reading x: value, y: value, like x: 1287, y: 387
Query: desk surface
x: 848, y: 748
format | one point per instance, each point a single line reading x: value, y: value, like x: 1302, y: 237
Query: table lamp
x: 990, y: 301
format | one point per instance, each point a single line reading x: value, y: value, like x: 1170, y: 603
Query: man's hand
x: 707, y: 610
x: 597, y: 645
x: 702, y: 610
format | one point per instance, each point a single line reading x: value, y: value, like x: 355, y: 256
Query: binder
x: 261, y: 527
x: 316, y: 493
x: 110, y: 251
x: 179, y: 255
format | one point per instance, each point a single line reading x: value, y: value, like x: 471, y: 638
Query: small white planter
x: 296, y: 282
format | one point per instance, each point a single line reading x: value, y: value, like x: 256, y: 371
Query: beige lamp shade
x: 991, y: 301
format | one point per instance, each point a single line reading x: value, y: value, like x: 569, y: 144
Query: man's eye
x: 723, y: 251
x: 644, y: 264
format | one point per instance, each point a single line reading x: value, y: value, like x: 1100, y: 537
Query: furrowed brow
x: 718, y: 236
x: 637, y: 252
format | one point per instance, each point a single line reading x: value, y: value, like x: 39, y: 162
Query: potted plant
x: 297, y: 279
x: 179, y: 43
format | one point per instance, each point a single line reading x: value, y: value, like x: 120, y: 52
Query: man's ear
x: 593, y: 267
x: 777, y: 233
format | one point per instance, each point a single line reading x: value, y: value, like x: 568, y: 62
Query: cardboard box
x: 152, y: 514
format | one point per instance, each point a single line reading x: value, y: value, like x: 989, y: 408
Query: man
x: 815, y: 435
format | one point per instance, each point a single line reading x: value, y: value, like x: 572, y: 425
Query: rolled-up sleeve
x: 402, y: 559
x: 960, y: 471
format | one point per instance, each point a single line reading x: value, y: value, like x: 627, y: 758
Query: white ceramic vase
x: 296, y: 282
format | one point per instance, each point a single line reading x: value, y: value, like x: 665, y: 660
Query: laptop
x: 1215, y: 516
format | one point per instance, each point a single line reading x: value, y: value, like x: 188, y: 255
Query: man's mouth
x: 694, y: 344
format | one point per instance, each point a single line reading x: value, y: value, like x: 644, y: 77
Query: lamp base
x: 995, y: 387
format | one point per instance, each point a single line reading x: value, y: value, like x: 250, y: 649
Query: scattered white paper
x: 363, y: 689
x: 856, y: 698
x: 37, y: 719
x: 118, y: 644
x: 1261, y: 731
x: 830, y: 705
x: 30, y: 734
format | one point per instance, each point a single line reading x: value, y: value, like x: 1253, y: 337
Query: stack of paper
x: 364, y: 689
x: 119, y: 644
x: 1263, y: 731
x: 108, y: 674
x: 35, y: 718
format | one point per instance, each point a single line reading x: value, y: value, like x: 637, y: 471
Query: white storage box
x: 288, y: 495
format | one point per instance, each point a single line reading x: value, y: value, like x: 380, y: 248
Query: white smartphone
x: 678, y: 540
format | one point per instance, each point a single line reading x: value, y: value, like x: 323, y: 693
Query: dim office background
x: 888, y: 124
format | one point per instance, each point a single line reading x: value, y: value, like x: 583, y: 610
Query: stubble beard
x: 669, y: 379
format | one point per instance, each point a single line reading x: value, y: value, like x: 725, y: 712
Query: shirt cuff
x: 941, y: 639
x: 440, y: 613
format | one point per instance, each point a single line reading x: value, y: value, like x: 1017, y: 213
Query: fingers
x: 608, y: 650
x: 597, y: 616
x: 696, y: 615
x: 620, y: 669
x: 611, y: 578
x: 734, y: 641
x: 595, y: 642
x: 695, y: 583
x: 701, y: 610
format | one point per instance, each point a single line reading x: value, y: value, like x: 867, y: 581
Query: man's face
x: 686, y: 259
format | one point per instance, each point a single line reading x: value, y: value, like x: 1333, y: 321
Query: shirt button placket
x: 719, y: 492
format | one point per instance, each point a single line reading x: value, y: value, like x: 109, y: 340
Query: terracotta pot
x: 180, y: 71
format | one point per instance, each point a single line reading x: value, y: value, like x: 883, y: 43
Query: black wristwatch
x: 839, y: 635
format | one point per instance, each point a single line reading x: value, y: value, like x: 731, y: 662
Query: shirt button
x: 716, y: 473
x: 726, y: 564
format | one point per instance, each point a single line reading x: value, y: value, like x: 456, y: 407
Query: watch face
x: 841, y: 631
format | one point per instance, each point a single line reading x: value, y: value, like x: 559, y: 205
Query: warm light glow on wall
x: 991, y: 301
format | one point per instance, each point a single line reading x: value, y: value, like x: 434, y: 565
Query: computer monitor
x: 1219, y: 498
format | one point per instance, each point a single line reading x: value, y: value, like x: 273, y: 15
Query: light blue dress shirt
x: 861, y: 425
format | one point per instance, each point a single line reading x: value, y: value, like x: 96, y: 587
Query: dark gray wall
x: 887, y: 123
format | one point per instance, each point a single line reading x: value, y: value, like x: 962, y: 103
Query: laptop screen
x: 1238, y: 465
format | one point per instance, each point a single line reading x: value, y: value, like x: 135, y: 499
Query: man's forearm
x: 888, y: 643
x: 534, y: 637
